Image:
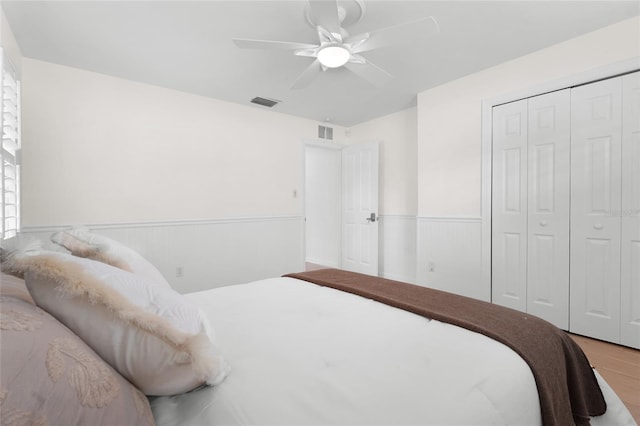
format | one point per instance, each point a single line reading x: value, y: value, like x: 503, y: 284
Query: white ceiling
x: 187, y: 46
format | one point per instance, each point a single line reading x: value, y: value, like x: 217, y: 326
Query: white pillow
x: 83, y: 243
x: 152, y: 335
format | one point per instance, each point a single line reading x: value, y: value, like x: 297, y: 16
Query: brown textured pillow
x: 14, y: 286
x: 49, y: 376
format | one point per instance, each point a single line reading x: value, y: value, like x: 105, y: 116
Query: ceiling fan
x: 337, y: 48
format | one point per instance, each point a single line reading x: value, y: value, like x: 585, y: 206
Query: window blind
x: 10, y: 153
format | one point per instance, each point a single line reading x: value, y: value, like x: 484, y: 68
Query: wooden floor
x: 619, y: 366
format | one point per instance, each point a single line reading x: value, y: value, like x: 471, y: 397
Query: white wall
x: 103, y: 149
x: 449, y: 147
x: 398, y: 138
x: 397, y: 134
x: 129, y: 158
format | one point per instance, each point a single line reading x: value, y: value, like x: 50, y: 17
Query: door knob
x: 598, y: 226
x: 543, y: 223
x: 371, y: 218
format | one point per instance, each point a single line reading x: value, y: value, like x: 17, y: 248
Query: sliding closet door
x: 630, y: 217
x: 595, y: 206
x: 509, y: 206
x: 549, y: 126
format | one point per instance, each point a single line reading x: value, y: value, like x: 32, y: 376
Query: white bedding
x: 302, y: 354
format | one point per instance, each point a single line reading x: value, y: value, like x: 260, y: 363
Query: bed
x: 307, y: 349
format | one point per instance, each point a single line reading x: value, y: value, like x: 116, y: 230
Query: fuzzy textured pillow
x: 51, y: 377
x: 152, y: 335
x: 83, y: 243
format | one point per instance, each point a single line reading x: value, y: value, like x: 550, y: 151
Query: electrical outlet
x: 179, y: 271
x: 432, y: 266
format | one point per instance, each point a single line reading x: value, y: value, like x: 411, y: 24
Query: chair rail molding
x: 198, y: 254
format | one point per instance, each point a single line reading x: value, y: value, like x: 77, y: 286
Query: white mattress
x: 302, y: 354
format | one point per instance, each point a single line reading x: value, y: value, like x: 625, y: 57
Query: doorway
x: 341, y: 206
x: 323, y: 204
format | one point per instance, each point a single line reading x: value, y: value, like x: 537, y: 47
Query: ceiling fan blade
x: 327, y: 37
x: 325, y: 13
x: 397, y: 34
x: 309, y: 53
x: 247, y: 43
x: 370, y: 72
x: 308, y: 75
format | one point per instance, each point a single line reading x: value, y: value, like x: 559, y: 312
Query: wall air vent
x: 265, y: 101
x: 325, y: 132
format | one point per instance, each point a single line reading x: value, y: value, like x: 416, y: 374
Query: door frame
x: 599, y: 73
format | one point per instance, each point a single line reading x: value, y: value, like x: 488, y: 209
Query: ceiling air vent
x: 264, y: 101
x: 325, y: 132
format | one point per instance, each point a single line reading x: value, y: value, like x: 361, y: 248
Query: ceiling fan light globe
x: 334, y: 56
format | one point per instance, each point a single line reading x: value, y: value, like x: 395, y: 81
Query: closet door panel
x: 549, y: 127
x: 596, y: 116
x: 630, y: 213
x: 509, y: 206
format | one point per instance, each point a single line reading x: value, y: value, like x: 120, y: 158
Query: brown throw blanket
x: 568, y: 389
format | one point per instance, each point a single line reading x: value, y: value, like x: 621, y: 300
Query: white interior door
x: 630, y: 213
x: 549, y: 126
x: 509, y: 206
x: 360, y: 208
x: 596, y: 120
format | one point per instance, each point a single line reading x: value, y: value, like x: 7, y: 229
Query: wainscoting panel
x: 449, y: 256
x: 398, y: 247
x: 202, y: 254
